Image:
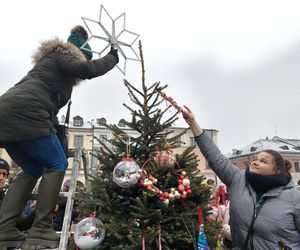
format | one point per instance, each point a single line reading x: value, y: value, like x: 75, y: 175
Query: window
x: 236, y: 152
x: 103, y: 138
x: 78, y: 121
x: 78, y: 140
x: 177, y: 142
x: 101, y: 121
x: 285, y: 147
x: 297, y: 167
x: 246, y: 164
x: 192, y: 141
x: 121, y: 123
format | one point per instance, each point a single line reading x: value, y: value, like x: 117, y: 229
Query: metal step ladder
x: 78, y: 155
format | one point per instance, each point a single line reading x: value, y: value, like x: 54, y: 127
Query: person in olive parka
x: 27, y: 117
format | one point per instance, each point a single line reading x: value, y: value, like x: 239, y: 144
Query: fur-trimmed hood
x: 56, y: 44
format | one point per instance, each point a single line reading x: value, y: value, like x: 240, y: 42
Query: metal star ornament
x: 107, y: 32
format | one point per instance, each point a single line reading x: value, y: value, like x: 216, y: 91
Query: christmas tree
x: 152, y: 205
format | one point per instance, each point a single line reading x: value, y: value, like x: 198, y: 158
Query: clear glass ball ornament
x: 125, y: 173
x: 89, y: 233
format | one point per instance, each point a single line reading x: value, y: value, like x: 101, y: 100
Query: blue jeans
x: 33, y: 156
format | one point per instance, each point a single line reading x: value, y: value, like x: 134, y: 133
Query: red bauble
x: 180, y: 188
x: 166, y: 195
x: 164, y: 159
x: 189, y: 191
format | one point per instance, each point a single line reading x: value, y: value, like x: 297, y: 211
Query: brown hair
x: 282, y: 165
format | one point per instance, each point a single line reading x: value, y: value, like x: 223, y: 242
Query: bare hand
x: 191, y: 121
x: 188, y: 115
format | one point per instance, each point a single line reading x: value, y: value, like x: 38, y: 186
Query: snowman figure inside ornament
x: 89, y: 233
x: 125, y: 173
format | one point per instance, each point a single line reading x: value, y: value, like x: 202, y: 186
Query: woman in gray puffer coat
x: 27, y: 117
x: 264, y: 205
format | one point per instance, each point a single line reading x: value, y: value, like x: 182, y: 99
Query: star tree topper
x: 109, y: 32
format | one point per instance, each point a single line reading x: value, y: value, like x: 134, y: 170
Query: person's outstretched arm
x: 224, y: 169
x: 88, y: 69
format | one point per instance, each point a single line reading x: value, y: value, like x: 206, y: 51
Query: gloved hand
x: 114, y: 52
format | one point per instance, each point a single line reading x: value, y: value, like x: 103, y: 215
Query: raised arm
x: 224, y: 169
x: 191, y: 121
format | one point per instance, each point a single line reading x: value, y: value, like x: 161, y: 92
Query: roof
x: 86, y: 125
x: 276, y: 143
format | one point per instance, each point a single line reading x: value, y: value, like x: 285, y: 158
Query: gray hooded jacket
x: 276, y: 216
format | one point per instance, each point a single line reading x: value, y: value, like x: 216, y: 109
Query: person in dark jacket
x: 4, y: 172
x: 24, y: 221
x: 59, y: 213
x: 264, y: 204
x: 27, y: 118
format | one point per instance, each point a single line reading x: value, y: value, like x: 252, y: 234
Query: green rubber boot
x: 12, y: 206
x: 42, y: 235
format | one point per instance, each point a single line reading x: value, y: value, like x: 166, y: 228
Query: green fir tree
x: 136, y: 213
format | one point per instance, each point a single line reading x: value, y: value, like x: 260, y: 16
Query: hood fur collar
x: 55, y: 44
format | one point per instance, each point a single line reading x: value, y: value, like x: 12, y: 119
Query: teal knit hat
x: 78, y: 37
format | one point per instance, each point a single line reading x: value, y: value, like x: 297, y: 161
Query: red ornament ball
x: 164, y: 159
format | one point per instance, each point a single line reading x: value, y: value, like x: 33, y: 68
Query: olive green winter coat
x: 28, y: 110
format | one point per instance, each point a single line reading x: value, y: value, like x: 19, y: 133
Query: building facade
x: 80, y: 134
x: 83, y: 134
x: 91, y: 132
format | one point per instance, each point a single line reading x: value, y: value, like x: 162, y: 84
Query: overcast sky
x: 234, y: 63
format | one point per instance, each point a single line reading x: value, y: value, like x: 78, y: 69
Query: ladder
x: 78, y: 154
